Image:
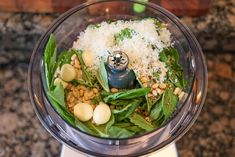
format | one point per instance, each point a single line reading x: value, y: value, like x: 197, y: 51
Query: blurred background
x: 22, y: 22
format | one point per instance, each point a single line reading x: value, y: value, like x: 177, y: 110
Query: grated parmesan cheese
x: 143, y: 59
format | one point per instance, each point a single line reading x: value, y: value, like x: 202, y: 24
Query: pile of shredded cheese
x: 143, y: 59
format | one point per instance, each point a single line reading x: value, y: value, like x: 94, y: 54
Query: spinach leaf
x: 85, y: 74
x: 65, y: 57
x: 118, y: 132
x: 129, y: 94
x: 126, y: 111
x: 49, y: 59
x: 169, y: 102
x: 125, y: 33
x: 102, y: 76
x: 141, y: 122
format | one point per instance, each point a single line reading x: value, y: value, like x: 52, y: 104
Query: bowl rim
x: 166, y: 13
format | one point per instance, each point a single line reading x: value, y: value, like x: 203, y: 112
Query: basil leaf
x: 84, y: 127
x: 149, y: 104
x: 129, y: 94
x: 58, y: 95
x: 96, y: 129
x: 141, y: 122
x: 64, y: 113
x: 175, y: 72
x: 120, y: 102
x: 159, y: 121
x: 102, y: 76
x: 81, y: 82
x: 157, y: 110
x: 126, y: 111
x: 135, y: 129
x: 65, y: 57
x: 118, y: 132
x: 169, y: 102
x: 50, y: 60
x: 57, y: 98
x: 85, y: 74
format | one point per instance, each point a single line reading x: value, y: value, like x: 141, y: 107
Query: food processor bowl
x: 66, y: 29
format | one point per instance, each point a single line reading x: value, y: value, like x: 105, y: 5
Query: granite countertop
x: 212, y: 135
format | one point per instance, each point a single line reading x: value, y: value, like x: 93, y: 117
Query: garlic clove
x: 102, y: 114
x: 88, y: 58
x: 83, y: 111
x: 58, y: 81
x: 68, y: 72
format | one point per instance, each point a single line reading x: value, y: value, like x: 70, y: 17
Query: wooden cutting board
x: 178, y: 7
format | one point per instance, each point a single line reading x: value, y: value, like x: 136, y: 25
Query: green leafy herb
x: 84, y: 127
x: 100, y: 130
x: 85, y: 74
x: 141, y: 122
x: 129, y: 94
x: 57, y: 98
x: 93, y: 26
x: 149, y: 103
x: 125, y: 33
x: 50, y: 60
x: 126, y: 111
x: 118, y: 132
x: 120, y: 102
x: 81, y: 82
x: 58, y: 95
x: 102, y: 76
x: 65, y: 57
x: 156, y: 110
x: 175, y: 72
x: 169, y: 101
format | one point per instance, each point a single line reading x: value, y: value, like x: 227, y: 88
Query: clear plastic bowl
x: 66, y: 29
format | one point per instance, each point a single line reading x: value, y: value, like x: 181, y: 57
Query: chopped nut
x: 77, y: 64
x: 95, y: 90
x: 154, y: 92
x: 145, y: 85
x: 162, y: 86
x: 159, y: 91
x: 181, y: 95
x: 114, y: 90
x: 144, y: 79
x: 150, y: 95
x: 177, y: 91
x: 79, y: 74
x: 154, y: 86
x: 147, y: 119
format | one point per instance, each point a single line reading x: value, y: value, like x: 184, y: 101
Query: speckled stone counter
x: 212, y: 135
